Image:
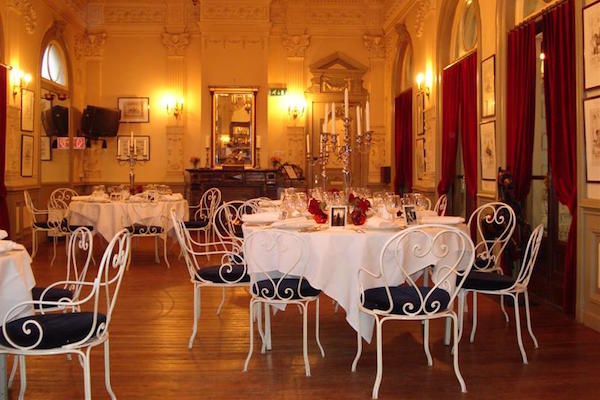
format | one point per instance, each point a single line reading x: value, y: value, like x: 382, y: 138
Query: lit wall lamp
x: 296, y: 106
x: 424, y: 82
x: 18, y: 80
x: 174, y: 107
x: 542, y: 60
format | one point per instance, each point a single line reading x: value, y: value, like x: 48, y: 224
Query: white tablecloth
x: 336, y: 256
x: 110, y: 217
x: 16, y: 281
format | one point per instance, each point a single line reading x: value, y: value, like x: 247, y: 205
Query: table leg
x: 3, y: 381
x: 268, y: 326
x: 448, y: 331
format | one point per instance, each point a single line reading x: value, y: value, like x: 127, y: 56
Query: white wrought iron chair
x: 203, y: 214
x: 395, y: 292
x: 441, y: 204
x: 39, y: 226
x: 504, y: 285
x: 282, y: 284
x: 79, y: 253
x: 229, y: 272
x: 493, y: 225
x: 227, y: 225
x: 75, y: 332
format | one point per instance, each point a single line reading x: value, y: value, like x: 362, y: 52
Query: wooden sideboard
x: 233, y: 184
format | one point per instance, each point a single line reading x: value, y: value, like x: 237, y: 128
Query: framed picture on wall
x: 488, y: 87
x: 27, y: 155
x: 134, y: 109
x: 591, y: 117
x: 420, y: 113
x: 420, y: 157
x: 488, y: 151
x: 591, y: 45
x: 141, y: 147
x: 27, y: 109
x: 45, y: 148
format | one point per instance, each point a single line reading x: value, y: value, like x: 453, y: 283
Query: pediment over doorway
x: 336, y: 72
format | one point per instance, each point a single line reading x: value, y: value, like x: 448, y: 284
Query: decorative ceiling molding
x: 176, y: 43
x: 295, y: 45
x: 424, y: 7
x: 375, y: 44
x: 240, y: 10
x: 90, y: 44
x: 25, y: 8
x: 134, y: 14
x: 243, y: 42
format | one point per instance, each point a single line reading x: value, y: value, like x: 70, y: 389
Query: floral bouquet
x: 315, y: 207
x: 195, y: 161
x: 275, y: 161
x: 359, y: 208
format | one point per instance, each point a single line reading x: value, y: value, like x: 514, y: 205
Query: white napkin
x: 296, y: 221
x: 269, y: 203
x: 3, y: 234
x: 442, y: 220
x: 426, y: 213
x: 378, y: 222
x: 80, y: 198
x: 7, y: 245
x: 270, y: 216
x: 172, y: 197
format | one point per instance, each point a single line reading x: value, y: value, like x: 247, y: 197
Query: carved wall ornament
x: 25, y: 8
x: 295, y: 45
x: 122, y: 14
x: 375, y: 44
x: 336, y: 72
x: 235, y: 42
x: 241, y: 11
x: 176, y: 43
x: 90, y: 44
x: 424, y: 7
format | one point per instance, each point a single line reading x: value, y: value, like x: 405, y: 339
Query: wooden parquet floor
x: 150, y: 359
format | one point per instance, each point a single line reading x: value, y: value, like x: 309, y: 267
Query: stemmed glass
x: 393, y: 204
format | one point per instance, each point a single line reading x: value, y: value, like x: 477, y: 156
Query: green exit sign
x: 277, y: 91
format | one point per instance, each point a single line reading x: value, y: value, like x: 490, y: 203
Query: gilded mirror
x: 233, y: 126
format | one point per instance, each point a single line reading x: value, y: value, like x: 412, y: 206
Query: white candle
x: 326, y: 115
x: 258, y: 141
x: 358, y: 122
x: 131, y: 143
x: 324, y: 128
x: 207, y: 142
x: 307, y: 144
x: 367, y: 117
x: 346, y: 102
x: 332, y: 118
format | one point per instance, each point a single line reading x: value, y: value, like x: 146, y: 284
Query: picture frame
x: 141, y: 147
x: 487, y: 144
x: 45, y: 148
x: 420, y: 99
x: 410, y: 214
x: 420, y: 157
x: 27, y: 110
x: 27, y: 155
x: 134, y: 109
x: 591, y: 117
x: 591, y: 45
x: 488, y: 87
x: 338, y: 216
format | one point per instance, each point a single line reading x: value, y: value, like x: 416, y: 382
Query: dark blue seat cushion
x: 65, y: 227
x: 58, y: 329
x: 197, y: 224
x: 287, y: 286
x: 41, y: 225
x: 487, y: 281
x: 483, y: 263
x: 138, y: 229
x: 219, y: 274
x: 377, y: 299
x: 54, y: 294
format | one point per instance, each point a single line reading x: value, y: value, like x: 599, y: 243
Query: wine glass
x: 393, y: 204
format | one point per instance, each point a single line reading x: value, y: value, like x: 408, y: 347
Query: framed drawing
x: 591, y: 45
x: 420, y: 112
x: 27, y: 109
x: 45, y: 149
x: 591, y: 116
x: 141, y: 147
x: 26, y: 155
x: 488, y: 87
x: 134, y: 109
x: 338, y: 216
x: 420, y: 157
x: 488, y: 151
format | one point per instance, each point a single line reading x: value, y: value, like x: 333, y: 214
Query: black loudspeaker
x: 100, y: 121
x: 385, y: 174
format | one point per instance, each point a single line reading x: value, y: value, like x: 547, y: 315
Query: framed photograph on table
x: 488, y: 87
x: 338, y: 216
x: 591, y: 116
x: 410, y: 214
x: 27, y: 109
x: 591, y: 45
x: 27, y: 155
x: 134, y: 109
x: 141, y: 147
x: 488, y: 151
x: 45, y: 149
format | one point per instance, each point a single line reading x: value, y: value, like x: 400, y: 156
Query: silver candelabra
x: 131, y: 159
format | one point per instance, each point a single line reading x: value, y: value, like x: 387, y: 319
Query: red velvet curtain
x: 559, y: 85
x: 459, y: 98
x: 4, y: 221
x: 520, y: 106
x: 450, y: 108
x: 468, y: 112
x: 403, y: 141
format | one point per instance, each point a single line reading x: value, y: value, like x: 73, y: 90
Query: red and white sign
x: 62, y: 143
x: 79, y: 143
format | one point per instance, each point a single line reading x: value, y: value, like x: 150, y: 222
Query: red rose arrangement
x: 359, y: 208
x: 316, y: 209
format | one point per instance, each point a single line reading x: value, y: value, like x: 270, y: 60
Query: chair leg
x: 461, y: 381
x: 53, y: 250
x: 196, y: 316
x: 156, y: 259
x: 304, y: 337
x: 222, y: 301
x: 379, y: 360
x: 33, y: 243
x: 87, y: 378
x: 461, y: 312
x: 518, y: 325
x: 165, y: 240
x: 528, y: 314
x: 259, y: 323
x: 317, y: 329
x: 503, y: 308
x: 268, y: 326
x: 109, y: 389
x: 474, y: 327
x: 13, y: 371
x: 358, y: 349
x: 251, y: 348
x: 23, y: 373
x: 426, y: 342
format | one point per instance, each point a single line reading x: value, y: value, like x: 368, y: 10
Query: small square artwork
x: 410, y: 214
x: 134, y: 109
x: 337, y: 216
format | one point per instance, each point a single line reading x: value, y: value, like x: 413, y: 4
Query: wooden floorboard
x: 150, y: 359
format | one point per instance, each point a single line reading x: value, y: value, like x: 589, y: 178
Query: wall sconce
x: 296, y: 106
x: 18, y: 80
x: 174, y: 107
x: 542, y: 60
x: 421, y: 78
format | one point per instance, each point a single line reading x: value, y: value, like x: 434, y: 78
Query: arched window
x: 54, y: 65
x: 465, y: 28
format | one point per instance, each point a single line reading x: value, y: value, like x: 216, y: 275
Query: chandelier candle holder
x: 131, y: 159
x: 207, y: 148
